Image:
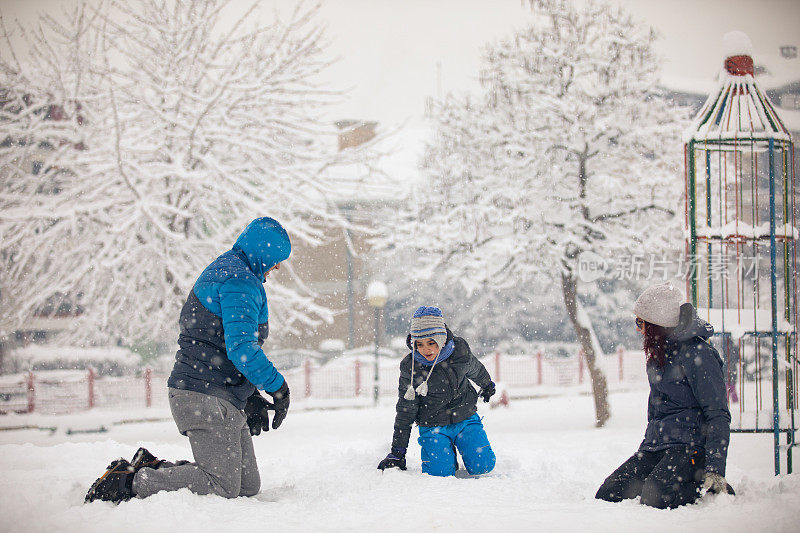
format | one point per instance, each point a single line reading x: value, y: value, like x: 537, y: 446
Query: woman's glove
x: 396, y: 459
x: 487, y: 392
x: 257, y: 411
x: 716, y: 484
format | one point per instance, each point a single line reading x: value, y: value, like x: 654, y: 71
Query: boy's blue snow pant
x: 439, y: 445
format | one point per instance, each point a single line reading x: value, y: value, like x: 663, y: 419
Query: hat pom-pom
x: 422, y: 390
x: 409, y: 395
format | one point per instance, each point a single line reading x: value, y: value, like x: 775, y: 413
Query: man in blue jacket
x: 219, y: 366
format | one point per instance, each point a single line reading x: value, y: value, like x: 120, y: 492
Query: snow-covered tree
x: 568, y: 150
x: 177, y: 125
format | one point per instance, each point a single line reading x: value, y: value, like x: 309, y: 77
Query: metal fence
x: 69, y: 391
x: 344, y: 378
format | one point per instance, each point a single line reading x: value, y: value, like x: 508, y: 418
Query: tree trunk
x: 599, y: 385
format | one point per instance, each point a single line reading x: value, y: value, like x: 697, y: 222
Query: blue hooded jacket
x: 224, y: 321
x: 688, y: 405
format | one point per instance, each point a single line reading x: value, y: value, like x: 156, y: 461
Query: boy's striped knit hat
x: 428, y: 323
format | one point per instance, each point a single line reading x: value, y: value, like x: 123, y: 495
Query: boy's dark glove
x: 280, y: 400
x: 257, y: 411
x: 488, y: 391
x: 396, y: 459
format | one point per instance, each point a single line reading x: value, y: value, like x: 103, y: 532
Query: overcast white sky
x: 389, y: 49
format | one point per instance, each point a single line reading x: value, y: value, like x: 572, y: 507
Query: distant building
x: 353, y: 133
x: 339, y: 271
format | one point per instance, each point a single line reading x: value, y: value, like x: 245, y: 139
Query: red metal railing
x: 343, y: 378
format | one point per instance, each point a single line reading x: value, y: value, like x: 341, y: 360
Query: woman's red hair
x: 655, y: 343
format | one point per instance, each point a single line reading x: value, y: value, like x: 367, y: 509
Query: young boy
x: 436, y: 393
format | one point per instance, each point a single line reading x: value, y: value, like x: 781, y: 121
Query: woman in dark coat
x: 685, y: 445
x: 436, y: 393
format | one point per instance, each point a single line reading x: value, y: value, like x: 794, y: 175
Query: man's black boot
x: 115, y: 485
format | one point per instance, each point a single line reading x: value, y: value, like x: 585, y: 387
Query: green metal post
x: 709, y: 256
x: 788, y: 280
x: 774, y: 296
x: 692, y: 223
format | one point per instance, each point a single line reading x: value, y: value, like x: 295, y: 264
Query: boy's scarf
x: 445, y: 352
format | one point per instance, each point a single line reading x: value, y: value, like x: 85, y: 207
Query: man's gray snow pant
x: 224, y: 459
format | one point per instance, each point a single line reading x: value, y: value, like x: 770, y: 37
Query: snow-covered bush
x: 108, y: 361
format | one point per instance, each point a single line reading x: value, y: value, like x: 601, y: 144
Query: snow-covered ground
x: 318, y: 474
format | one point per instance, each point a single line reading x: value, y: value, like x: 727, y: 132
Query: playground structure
x: 741, y: 211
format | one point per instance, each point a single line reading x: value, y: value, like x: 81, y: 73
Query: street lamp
x: 377, y: 293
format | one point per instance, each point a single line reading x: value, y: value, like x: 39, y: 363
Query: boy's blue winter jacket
x: 224, y: 321
x: 688, y: 405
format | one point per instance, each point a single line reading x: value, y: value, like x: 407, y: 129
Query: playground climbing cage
x: 741, y: 211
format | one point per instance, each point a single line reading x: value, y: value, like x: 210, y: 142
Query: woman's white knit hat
x: 660, y: 305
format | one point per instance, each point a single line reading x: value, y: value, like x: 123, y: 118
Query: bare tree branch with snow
x: 174, y: 129
x: 569, y: 150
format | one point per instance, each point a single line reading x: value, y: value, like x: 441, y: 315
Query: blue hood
x: 264, y: 243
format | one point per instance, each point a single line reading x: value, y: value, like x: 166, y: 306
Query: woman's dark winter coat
x: 688, y: 405
x: 450, y: 399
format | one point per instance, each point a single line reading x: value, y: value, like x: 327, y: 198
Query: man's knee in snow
x: 227, y: 487
x: 252, y: 487
x: 251, y: 491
